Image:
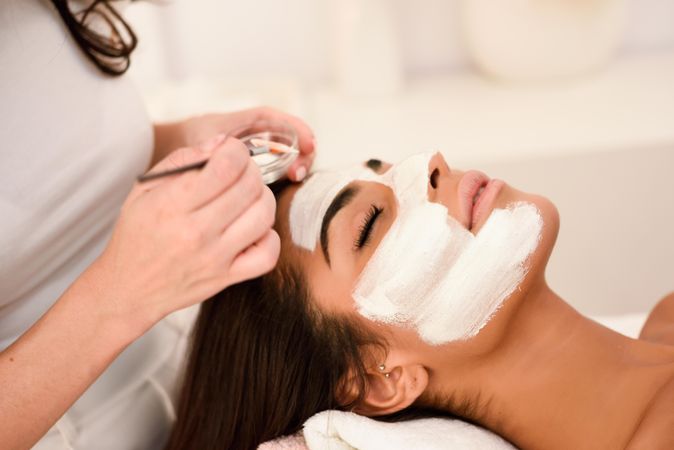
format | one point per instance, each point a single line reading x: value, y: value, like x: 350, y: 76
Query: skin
x: 539, y: 374
x: 178, y: 241
x: 194, y: 131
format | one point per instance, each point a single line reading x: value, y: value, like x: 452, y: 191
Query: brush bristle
x: 274, y: 147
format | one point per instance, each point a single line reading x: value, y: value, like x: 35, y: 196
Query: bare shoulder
x: 654, y: 432
x: 659, y: 326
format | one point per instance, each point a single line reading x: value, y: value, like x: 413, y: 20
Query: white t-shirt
x: 73, y: 140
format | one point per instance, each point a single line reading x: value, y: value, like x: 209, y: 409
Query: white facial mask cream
x: 428, y: 272
x: 312, y: 200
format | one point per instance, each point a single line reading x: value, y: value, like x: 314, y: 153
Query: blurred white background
x: 294, y: 38
x: 573, y: 99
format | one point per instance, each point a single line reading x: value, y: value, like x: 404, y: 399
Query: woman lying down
x: 417, y: 290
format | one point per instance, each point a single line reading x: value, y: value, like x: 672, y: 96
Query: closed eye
x: 365, y: 231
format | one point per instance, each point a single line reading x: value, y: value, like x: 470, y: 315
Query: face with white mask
x: 429, y: 257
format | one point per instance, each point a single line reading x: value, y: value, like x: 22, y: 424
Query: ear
x: 395, y: 392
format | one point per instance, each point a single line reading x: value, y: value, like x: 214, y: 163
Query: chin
x: 494, y: 331
x: 550, y: 215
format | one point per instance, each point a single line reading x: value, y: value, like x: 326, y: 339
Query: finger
x: 225, y: 166
x: 257, y: 259
x: 221, y: 212
x: 211, y: 144
x: 251, y: 225
x: 299, y: 169
x: 305, y: 135
x: 177, y: 158
x: 188, y: 155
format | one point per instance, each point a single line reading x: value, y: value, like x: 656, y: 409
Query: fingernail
x: 300, y: 173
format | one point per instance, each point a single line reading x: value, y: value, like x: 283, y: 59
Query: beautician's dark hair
x: 110, y: 52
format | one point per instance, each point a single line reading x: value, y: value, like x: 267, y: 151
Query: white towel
x: 292, y: 442
x: 339, y: 430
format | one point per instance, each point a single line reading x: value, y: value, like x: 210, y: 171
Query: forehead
x: 312, y: 200
x: 308, y: 202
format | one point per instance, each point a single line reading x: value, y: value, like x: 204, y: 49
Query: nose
x: 438, y: 173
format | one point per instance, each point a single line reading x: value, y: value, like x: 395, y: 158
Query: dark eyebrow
x: 340, y: 201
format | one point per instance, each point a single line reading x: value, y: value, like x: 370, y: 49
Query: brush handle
x: 166, y: 173
x: 194, y: 166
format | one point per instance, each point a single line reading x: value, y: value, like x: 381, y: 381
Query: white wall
x: 615, y: 247
x: 292, y: 38
x: 601, y: 148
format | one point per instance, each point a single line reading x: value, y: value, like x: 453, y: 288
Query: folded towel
x: 339, y: 430
x: 292, y: 442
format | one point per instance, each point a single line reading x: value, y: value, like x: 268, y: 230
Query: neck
x: 559, y: 380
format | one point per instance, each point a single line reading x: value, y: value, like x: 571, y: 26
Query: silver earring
x: 381, y: 368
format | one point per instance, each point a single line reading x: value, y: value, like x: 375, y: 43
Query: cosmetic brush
x: 261, y: 146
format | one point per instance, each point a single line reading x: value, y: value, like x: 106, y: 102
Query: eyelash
x: 365, y: 230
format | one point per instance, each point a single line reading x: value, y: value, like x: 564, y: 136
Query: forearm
x: 167, y: 137
x: 55, y: 361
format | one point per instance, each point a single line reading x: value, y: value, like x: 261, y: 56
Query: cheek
x: 447, y: 197
x: 398, y: 339
x: 445, y: 282
x: 330, y: 292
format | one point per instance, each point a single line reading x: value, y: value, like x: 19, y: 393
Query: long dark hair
x: 264, y: 359
x: 110, y: 52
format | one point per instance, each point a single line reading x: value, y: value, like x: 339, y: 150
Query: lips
x: 485, y: 201
x: 469, y: 189
x: 477, y: 193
